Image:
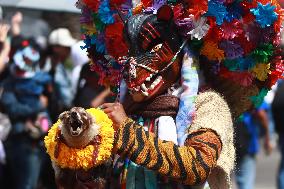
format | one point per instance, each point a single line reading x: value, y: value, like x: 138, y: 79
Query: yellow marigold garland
x: 73, y: 158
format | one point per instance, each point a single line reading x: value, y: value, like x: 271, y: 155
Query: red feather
x: 115, y: 43
x: 92, y: 4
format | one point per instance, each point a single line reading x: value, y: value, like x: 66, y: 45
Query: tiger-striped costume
x: 190, y: 164
x: 208, y: 149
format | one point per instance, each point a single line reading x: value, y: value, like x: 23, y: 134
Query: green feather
x: 258, y: 99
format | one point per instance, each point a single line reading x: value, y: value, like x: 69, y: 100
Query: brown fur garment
x: 95, y: 178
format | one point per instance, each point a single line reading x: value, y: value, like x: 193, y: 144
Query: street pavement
x: 266, y: 170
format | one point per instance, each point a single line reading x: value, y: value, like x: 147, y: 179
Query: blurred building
x: 42, y: 16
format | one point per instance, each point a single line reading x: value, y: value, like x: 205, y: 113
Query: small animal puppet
x: 80, y: 145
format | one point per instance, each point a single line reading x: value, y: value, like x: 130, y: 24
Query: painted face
x: 151, y: 67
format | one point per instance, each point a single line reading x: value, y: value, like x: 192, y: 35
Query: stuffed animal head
x: 78, y: 127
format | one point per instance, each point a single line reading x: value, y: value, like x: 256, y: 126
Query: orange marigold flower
x: 212, y: 51
x: 138, y: 9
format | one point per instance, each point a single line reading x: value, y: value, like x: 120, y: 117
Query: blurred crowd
x: 38, y: 82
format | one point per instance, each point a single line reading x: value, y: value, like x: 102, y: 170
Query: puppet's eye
x: 156, y: 48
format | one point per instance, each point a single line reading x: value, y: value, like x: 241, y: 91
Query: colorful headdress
x: 237, y: 39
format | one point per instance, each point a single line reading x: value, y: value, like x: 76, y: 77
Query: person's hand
x: 33, y: 131
x: 4, y: 28
x: 115, y: 112
x: 44, y: 101
x: 5, y: 49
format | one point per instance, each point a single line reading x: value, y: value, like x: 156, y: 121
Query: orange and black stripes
x: 190, y: 164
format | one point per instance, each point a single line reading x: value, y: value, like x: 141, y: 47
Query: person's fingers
x: 106, y: 105
x: 6, y: 28
x: 118, y: 104
x: 115, y: 105
x: 111, y: 114
x: 108, y: 110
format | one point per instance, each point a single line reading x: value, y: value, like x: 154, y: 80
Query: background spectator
x: 60, y: 41
x: 25, y: 102
x: 89, y: 92
x: 5, y: 127
x: 278, y: 116
x: 79, y: 57
x: 247, y: 130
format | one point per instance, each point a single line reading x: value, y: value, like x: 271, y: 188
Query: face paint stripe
x: 164, y: 55
x: 141, y: 59
x: 153, y: 29
x: 148, y: 31
x: 158, y: 57
x: 152, y: 34
x: 166, y: 51
x: 168, y: 48
x: 144, y: 36
x: 146, y: 40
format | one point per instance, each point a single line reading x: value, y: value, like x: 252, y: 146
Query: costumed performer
x: 152, y: 46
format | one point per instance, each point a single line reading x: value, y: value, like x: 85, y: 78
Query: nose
x: 74, y: 115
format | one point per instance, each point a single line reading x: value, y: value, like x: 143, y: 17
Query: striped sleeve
x: 190, y: 164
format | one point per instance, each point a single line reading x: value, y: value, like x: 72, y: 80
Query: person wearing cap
x: 24, y: 100
x: 60, y: 41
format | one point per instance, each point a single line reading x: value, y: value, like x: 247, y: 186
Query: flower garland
x: 83, y: 158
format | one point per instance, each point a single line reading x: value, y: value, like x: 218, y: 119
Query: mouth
x: 150, y: 86
x: 76, y: 125
x: 76, y: 132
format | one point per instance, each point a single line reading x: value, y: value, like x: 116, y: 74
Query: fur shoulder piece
x: 212, y: 112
